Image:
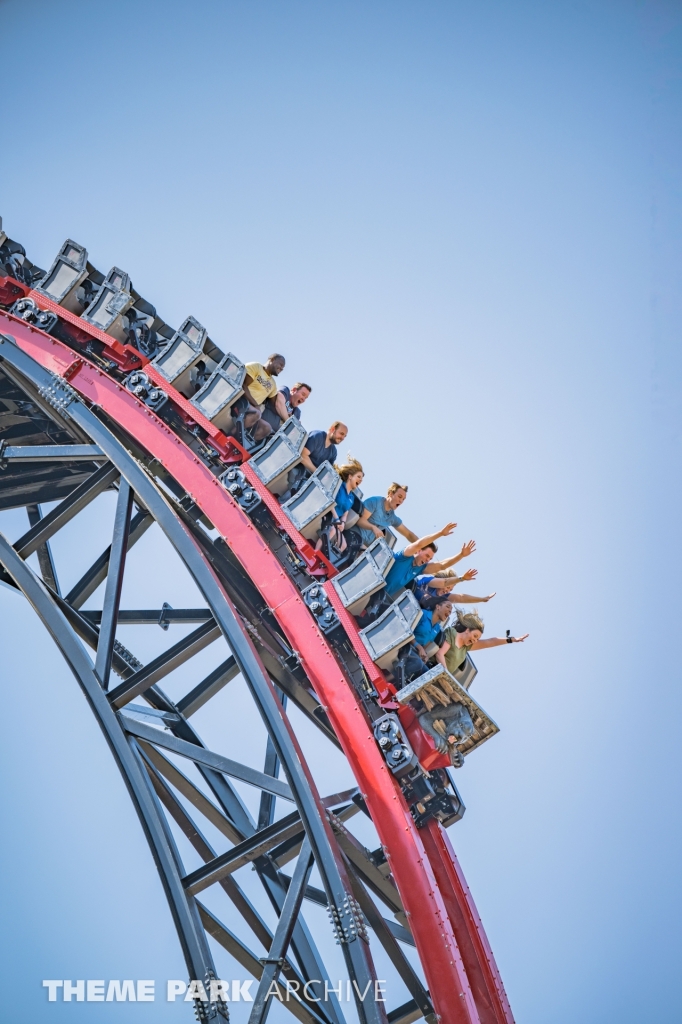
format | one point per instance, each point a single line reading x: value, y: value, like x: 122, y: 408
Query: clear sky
x: 461, y: 223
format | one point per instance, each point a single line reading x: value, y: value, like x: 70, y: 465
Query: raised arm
x: 467, y: 549
x: 407, y: 534
x: 497, y: 641
x: 468, y: 599
x: 423, y: 542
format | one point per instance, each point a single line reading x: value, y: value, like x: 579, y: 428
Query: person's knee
x: 261, y: 429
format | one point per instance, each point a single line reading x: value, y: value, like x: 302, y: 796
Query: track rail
x: 463, y: 981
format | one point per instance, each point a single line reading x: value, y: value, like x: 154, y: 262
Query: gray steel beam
x: 251, y: 776
x: 250, y: 962
x: 364, y: 866
x: 327, y: 856
x: 266, y: 811
x: 112, y: 593
x: 166, y: 663
x: 228, y: 883
x: 405, y: 1014
x: 208, y: 687
x: 74, y: 503
x: 73, y: 652
x: 52, y: 453
x: 191, y: 792
x: 244, y: 853
x: 96, y: 574
x: 45, y: 559
x: 395, y: 954
x: 282, y: 937
x: 152, y: 616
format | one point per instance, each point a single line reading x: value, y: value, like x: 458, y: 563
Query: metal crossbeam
x: 250, y: 962
x: 90, y: 581
x: 112, y: 593
x: 405, y: 1014
x: 52, y: 453
x: 164, y: 664
x: 208, y: 687
x: 72, y: 504
x: 282, y: 936
x: 367, y: 870
x: 252, y: 848
x: 191, y: 792
x: 45, y: 560
x: 227, y: 883
x: 266, y: 811
x: 152, y: 616
x: 200, y: 755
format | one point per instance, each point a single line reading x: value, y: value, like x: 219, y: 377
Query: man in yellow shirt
x: 259, y: 385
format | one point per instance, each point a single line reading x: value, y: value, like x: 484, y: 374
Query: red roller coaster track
x: 459, y: 966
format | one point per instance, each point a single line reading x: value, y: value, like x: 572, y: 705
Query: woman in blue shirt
x: 413, y: 657
x: 352, y: 475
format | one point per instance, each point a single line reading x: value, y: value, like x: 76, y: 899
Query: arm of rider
x: 448, y: 562
x: 249, y: 397
x: 423, y: 542
x: 443, y: 584
x: 407, y: 534
x: 470, y: 574
x: 281, y: 407
x: 442, y: 651
x: 306, y: 460
x: 469, y: 599
x: 364, y: 524
x: 497, y: 641
x: 421, y: 652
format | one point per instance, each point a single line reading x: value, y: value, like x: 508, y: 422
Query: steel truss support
x: 299, y: 784
x: 197, y: 956
x: 270, y: 635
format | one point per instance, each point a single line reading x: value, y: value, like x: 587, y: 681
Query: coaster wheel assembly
x: 74, y: 426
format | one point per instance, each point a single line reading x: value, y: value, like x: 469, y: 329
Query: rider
x: 464, y: 636
x: 379, y: 513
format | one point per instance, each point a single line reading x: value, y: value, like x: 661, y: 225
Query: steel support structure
x: 254, y: 605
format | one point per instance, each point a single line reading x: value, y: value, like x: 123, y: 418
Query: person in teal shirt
x: 417, y: 558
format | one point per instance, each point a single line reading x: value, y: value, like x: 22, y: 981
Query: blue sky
x: 461, y: 223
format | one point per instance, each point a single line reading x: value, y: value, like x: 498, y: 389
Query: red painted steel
x: 433, y: 913
x: 482, y: 972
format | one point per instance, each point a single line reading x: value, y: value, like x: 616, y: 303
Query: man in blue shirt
x: 320, y: 446
x: 285, y: 404
x: 379, y: 513
x: 417, y: 558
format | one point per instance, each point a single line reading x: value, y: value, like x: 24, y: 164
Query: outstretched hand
x: 467, y: 549
x: 470, y: 574
x: 519, y: 639
x: 489, y: 598
x: 447, y: 530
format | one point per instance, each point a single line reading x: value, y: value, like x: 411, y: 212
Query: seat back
x: 356, y: 584
x: 179, y: 360
x: 65, y: 276
x: 314, y: 499
x: 282, y: 452
x: 394, y: 628
x: 222, y: 389
x: 110, y: 304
